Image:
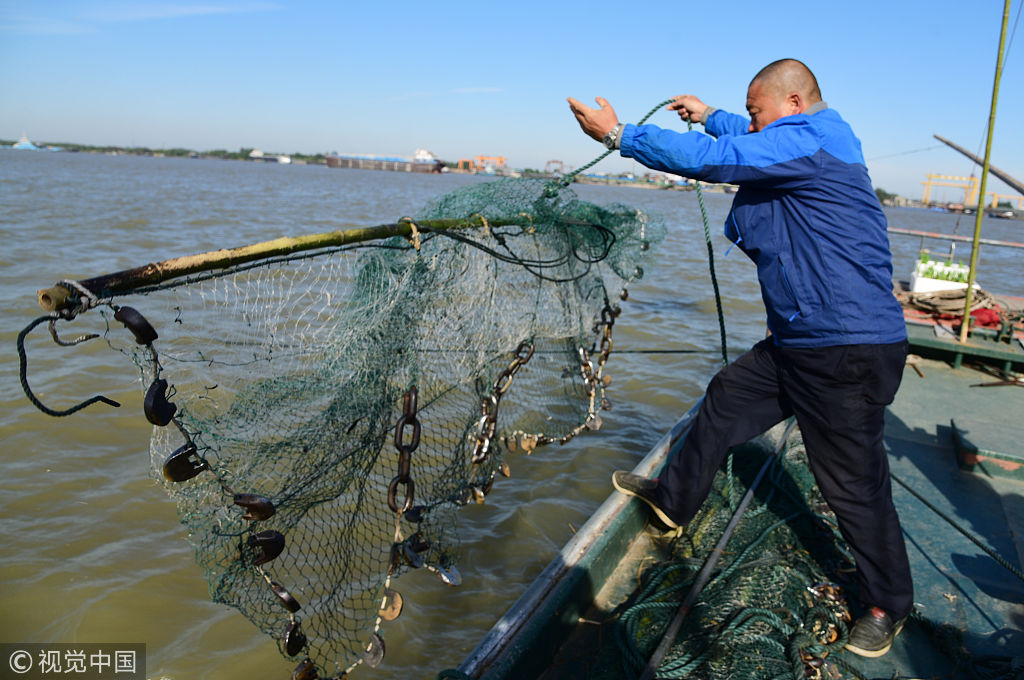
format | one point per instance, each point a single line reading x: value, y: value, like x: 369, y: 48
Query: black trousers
x: 838, y: 395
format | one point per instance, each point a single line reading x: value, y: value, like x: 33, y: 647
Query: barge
x: 422, y: 161
x: 953, y: 438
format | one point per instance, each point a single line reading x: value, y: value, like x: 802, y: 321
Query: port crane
x: 972, y: 194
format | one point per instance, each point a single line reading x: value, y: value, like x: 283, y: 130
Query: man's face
x: 764, y: 106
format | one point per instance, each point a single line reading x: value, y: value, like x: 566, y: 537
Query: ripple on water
x: 93, y: 546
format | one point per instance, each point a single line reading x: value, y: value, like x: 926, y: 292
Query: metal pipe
x: 954, y: 237
x: 705, y: 573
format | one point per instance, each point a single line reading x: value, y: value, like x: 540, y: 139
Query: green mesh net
x: 775, y: 606
x: 322, y: 415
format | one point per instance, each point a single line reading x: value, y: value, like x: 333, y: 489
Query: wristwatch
x: 611, y: 138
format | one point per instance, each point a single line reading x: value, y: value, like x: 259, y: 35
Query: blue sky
x: 463, y: 79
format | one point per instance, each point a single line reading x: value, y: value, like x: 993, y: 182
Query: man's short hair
x: 790, y: 75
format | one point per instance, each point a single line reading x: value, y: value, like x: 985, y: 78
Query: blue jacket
x: 805, y: 213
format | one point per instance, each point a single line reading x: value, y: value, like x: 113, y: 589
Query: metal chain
x: 489, y: 402
x: 405, y: 454
x: 594, y: 382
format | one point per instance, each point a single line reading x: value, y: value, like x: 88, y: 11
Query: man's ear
x: 795, y: 103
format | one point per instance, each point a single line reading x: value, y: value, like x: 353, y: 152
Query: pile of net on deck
x: 775, y: 606
x: 332, y: 410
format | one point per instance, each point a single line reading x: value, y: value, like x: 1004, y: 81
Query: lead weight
x: 294, y: 639
x: 289, y: 602
x: 158, y: 410
x: 305, y: 671
x: 412, y: 558
x: 450, y: 576
x: 267, y: 545
x: 257, y: 508
x: 137, y: 324
x: 373, y: 654
x: 180, y: 467
x: 391, y: 605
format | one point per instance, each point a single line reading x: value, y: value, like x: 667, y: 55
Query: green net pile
x: 775, y: 607
x: 333, y: 410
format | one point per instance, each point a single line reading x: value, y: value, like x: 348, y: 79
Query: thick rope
x: 569, y: 178
x: 711, y: 265
x: 991, y: 553
x: 952, y: 301
x: 23, y: 374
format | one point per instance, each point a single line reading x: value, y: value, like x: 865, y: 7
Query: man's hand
x: 595, y: 122
x: 688, y: 107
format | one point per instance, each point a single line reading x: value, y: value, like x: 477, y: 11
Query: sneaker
x: 642, y: 488
x: 873, y: 633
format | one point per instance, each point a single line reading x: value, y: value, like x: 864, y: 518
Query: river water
x: 93, y: 549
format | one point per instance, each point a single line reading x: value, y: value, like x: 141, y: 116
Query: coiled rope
x: 952, y: 301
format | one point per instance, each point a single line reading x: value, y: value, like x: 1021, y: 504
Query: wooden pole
x: 57, y: 297
x: 965, y: 326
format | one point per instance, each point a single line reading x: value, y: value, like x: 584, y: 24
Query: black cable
x: 23, y: 359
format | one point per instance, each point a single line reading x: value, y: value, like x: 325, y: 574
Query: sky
x: 478, y: 78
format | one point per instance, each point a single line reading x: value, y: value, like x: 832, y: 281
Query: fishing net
x: 775, y: 607
x: 321, y: 415
x: 776, y: 604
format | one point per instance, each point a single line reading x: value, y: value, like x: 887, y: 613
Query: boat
x: 24, y: 143
x: 422, y: 161
x: 953, y: 438
x: 610, y: 606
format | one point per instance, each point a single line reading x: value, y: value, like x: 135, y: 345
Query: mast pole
x: 965, y: 326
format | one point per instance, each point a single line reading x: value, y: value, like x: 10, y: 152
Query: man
x: 807, y: 215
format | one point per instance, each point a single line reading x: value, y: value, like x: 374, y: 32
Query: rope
x: 85, y: 303
x: 705, y: 573
x: 711, y: 265
x: 568, y: 179
x: 23, y: 374
x: 952, y: 301
x: 991, y: 553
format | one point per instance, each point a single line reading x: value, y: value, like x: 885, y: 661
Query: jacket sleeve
x: 721, y: 123
x: 784, y: 154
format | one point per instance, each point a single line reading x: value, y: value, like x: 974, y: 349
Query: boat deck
x: 956, y: 582
x: 936, y: 337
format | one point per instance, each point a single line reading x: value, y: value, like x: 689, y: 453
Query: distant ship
x: 422, y: 161
x: 24, y: 143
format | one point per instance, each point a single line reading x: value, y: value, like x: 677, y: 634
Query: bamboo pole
x: 57, y: 297
x: 965, y: 326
